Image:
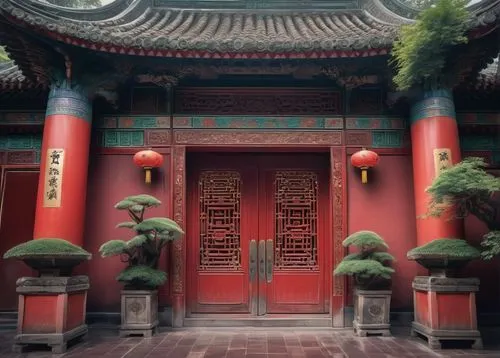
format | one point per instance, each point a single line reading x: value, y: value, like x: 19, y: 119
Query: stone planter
x: 139, y: 312
x: 51, y: 311
x: 371, y: 312
x: 445, y: 309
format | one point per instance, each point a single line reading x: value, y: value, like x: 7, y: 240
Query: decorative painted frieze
x: 20, y: 148
x: 258, y: 122
x: 123, y: 138
x: 375, y: 122
x: 133, y: 122
x: 387, y: 139
x: 22, y: 118
x: 475, y: 119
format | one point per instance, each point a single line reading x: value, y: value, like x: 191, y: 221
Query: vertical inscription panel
x: 296, y: 220
x: 220, y: 221
x: 53, y: 178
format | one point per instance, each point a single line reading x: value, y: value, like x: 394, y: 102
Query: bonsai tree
x: 369, y: 266
x: 443, y: 257
x: 467, y: 189
x: 422, y: 53
x: 50, y: 257
x: 142, y: 251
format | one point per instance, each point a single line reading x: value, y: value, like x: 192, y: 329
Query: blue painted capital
x: 69, y: 101
x: 433, y: 104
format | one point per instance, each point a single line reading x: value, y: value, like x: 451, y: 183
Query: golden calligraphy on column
x: 53, y: 177
x: 442, y: 160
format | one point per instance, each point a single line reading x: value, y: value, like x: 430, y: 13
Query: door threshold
x: 274, y: 320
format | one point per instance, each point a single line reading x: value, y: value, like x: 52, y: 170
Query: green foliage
x: 160, y: 225
x: 370, y: 263
x: 468, y: 189
x: 82, y: 4
x: 142, y: 276
x: 126, y: 224
x: 113, y: 248
x: 491, y: 245
x: 365, y: 240
x: 46, y: 247
x: 363, y: 269
x: 143, y: 251
x: 4, y: 56
x: 421, y: 52
x: 447, y: 249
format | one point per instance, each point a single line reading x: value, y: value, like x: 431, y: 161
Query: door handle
x: 262, y: 260
x: 253, y: 260
x: 269, y: 260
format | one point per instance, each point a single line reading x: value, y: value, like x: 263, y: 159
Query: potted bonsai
x: 464, y: 188
x: 54, y: 260
x: 371, y: 272
x: 141, y: 277
x: 469, y: 189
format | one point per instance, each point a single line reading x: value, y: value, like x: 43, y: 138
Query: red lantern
x: 363, y: 160
x: 148, y: 159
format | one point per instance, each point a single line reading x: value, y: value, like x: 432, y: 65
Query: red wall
x: 385, y: 205
x: 111, y: 178
x: 19, y: 189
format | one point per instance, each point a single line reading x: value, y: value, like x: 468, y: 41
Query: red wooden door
x: 258, y: 242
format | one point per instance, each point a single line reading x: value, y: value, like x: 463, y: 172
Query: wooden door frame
x: 303, y: 141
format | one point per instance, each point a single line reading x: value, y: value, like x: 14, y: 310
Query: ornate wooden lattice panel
x: 296, y: 220
x: 220, y: 214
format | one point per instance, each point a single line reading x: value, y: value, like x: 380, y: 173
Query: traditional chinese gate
x: 258, y: 241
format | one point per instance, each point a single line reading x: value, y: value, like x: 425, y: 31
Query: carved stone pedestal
x: 445, y: 309
x: 139, y: 313
x: 51, y: 311
x: 371, y: 312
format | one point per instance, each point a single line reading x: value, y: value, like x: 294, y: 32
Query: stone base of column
x: 445, y: 310
x: 51, y: 311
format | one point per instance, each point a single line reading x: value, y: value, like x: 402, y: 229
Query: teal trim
x: 479, y: 142
x: 122, y: 138
x: 20, y: 141
x: 387, y: 139
x: 69, y: 102
x: 433, y: 104
x: 258, y: 122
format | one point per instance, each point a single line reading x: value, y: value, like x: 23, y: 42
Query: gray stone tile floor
x: 253, y: 343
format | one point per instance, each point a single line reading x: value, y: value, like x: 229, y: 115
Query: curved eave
x: 140, y: 29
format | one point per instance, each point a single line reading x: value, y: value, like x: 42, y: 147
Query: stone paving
x: 253, y: 343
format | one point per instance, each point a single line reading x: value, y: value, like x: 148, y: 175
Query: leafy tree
x: 143, y: 251
x: 467, y: 189
x: 85, y: 4
x: 4, y: 57
x: 369, y: 265
x: 420, y: 55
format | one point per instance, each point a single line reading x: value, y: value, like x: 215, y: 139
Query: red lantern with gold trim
x: 364, y: 159
x: 148, y: 159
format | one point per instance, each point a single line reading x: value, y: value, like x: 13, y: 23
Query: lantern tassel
x: 364, y: 176
x: 148, y: 175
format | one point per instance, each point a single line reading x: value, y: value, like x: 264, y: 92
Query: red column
x: 435, y: 145
x: 62, y: 187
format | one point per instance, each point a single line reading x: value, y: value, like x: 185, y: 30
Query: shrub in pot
x: 141, y: 277
x: 371, y: 272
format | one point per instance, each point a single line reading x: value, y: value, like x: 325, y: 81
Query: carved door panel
x: 294, y: 208
x: 256, y: 241
x: 219, y: 244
